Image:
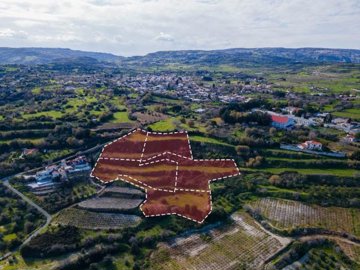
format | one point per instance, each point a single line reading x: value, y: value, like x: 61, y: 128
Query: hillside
x: 234, y: 57
x: 241, y: 57
x: 33, y: 56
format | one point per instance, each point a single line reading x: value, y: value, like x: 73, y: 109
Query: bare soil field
x: 115, y: 126
x: 148, y: 118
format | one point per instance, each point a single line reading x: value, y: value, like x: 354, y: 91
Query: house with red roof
x: 310, y: 145
x: 29, y: 152
x: 283, y: 122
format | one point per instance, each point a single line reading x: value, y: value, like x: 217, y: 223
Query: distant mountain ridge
x: 255, y: 56
x: 236, y: 56
x: 31, y: 56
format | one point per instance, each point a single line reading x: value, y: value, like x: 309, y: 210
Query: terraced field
x: 110, y: 204
x: 243, y: 245
x: 286, y: 214
x: 95, y: 221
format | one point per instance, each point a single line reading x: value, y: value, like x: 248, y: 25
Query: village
x: 287, y: 120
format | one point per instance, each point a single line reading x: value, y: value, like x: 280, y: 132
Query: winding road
x: 41, y: 210
x: 5, y: 182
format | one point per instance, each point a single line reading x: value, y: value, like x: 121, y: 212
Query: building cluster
x: 190, y: 88
x: 344, y: 124
x: 288, y: 121
x: 47, y: 180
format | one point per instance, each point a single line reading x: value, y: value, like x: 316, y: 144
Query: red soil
x: 159, y: 174
x: 162, y: 164
x: 192, y: 205
x: 177, y: 143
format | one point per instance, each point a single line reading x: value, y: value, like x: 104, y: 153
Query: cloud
x: 131, y: 27
x: 7, y: 33
x: 164, y: 37
x: 12, y: 34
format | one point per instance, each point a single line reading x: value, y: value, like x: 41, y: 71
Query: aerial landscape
x: 197, y: 135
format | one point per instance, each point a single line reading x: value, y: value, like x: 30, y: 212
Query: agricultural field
x: 336, y: 172
x: 148, y: 118
x: 289, y: 215
x: 121, y: 117
x: 278, y: 161
x: 241, y: 245
x: 202, y: 139
x: 118, y: 191
x: 350, y: 113
x: 321, y: 258
x: 322, y: 79
x: 352, y: 250
x: 109, y: 204
x: 95, y: 220
x: 163, y: 125
x: 167, y: 172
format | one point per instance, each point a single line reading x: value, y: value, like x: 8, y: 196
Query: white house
x: 350, y: 138
x: 310, y: 145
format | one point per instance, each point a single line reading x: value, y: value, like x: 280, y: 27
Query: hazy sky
x: 133, y: 27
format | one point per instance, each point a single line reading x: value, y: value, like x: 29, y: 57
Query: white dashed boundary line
x: 146, y: 186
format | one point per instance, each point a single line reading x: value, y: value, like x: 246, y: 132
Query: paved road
x: 48, y: 217
x: 41, y: 210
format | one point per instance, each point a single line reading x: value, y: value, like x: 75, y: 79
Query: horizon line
x: 183, y: 50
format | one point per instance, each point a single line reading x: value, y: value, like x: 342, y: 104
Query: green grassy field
x: 36, y: 90
x: 75, y: 103
x: 336, y: 172
x: 9, y: 237
x: 120, y: 117
x: 350, y: 113
x: 56, y: 154
x: 323, y: 78
x: 198, y: 138
x: 32, y: 140
x: 164, y: 125
x: 53, y: 114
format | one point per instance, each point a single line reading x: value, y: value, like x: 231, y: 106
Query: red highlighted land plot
x: 162, y: 164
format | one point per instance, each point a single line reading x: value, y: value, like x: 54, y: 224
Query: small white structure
x: 310, y: 145
x: 350, y: 138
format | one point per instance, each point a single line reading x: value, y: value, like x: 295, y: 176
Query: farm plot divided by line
x: 243, y: 244
x: 286, y: 214
x: 95, y: 221
x: 162, y: 164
